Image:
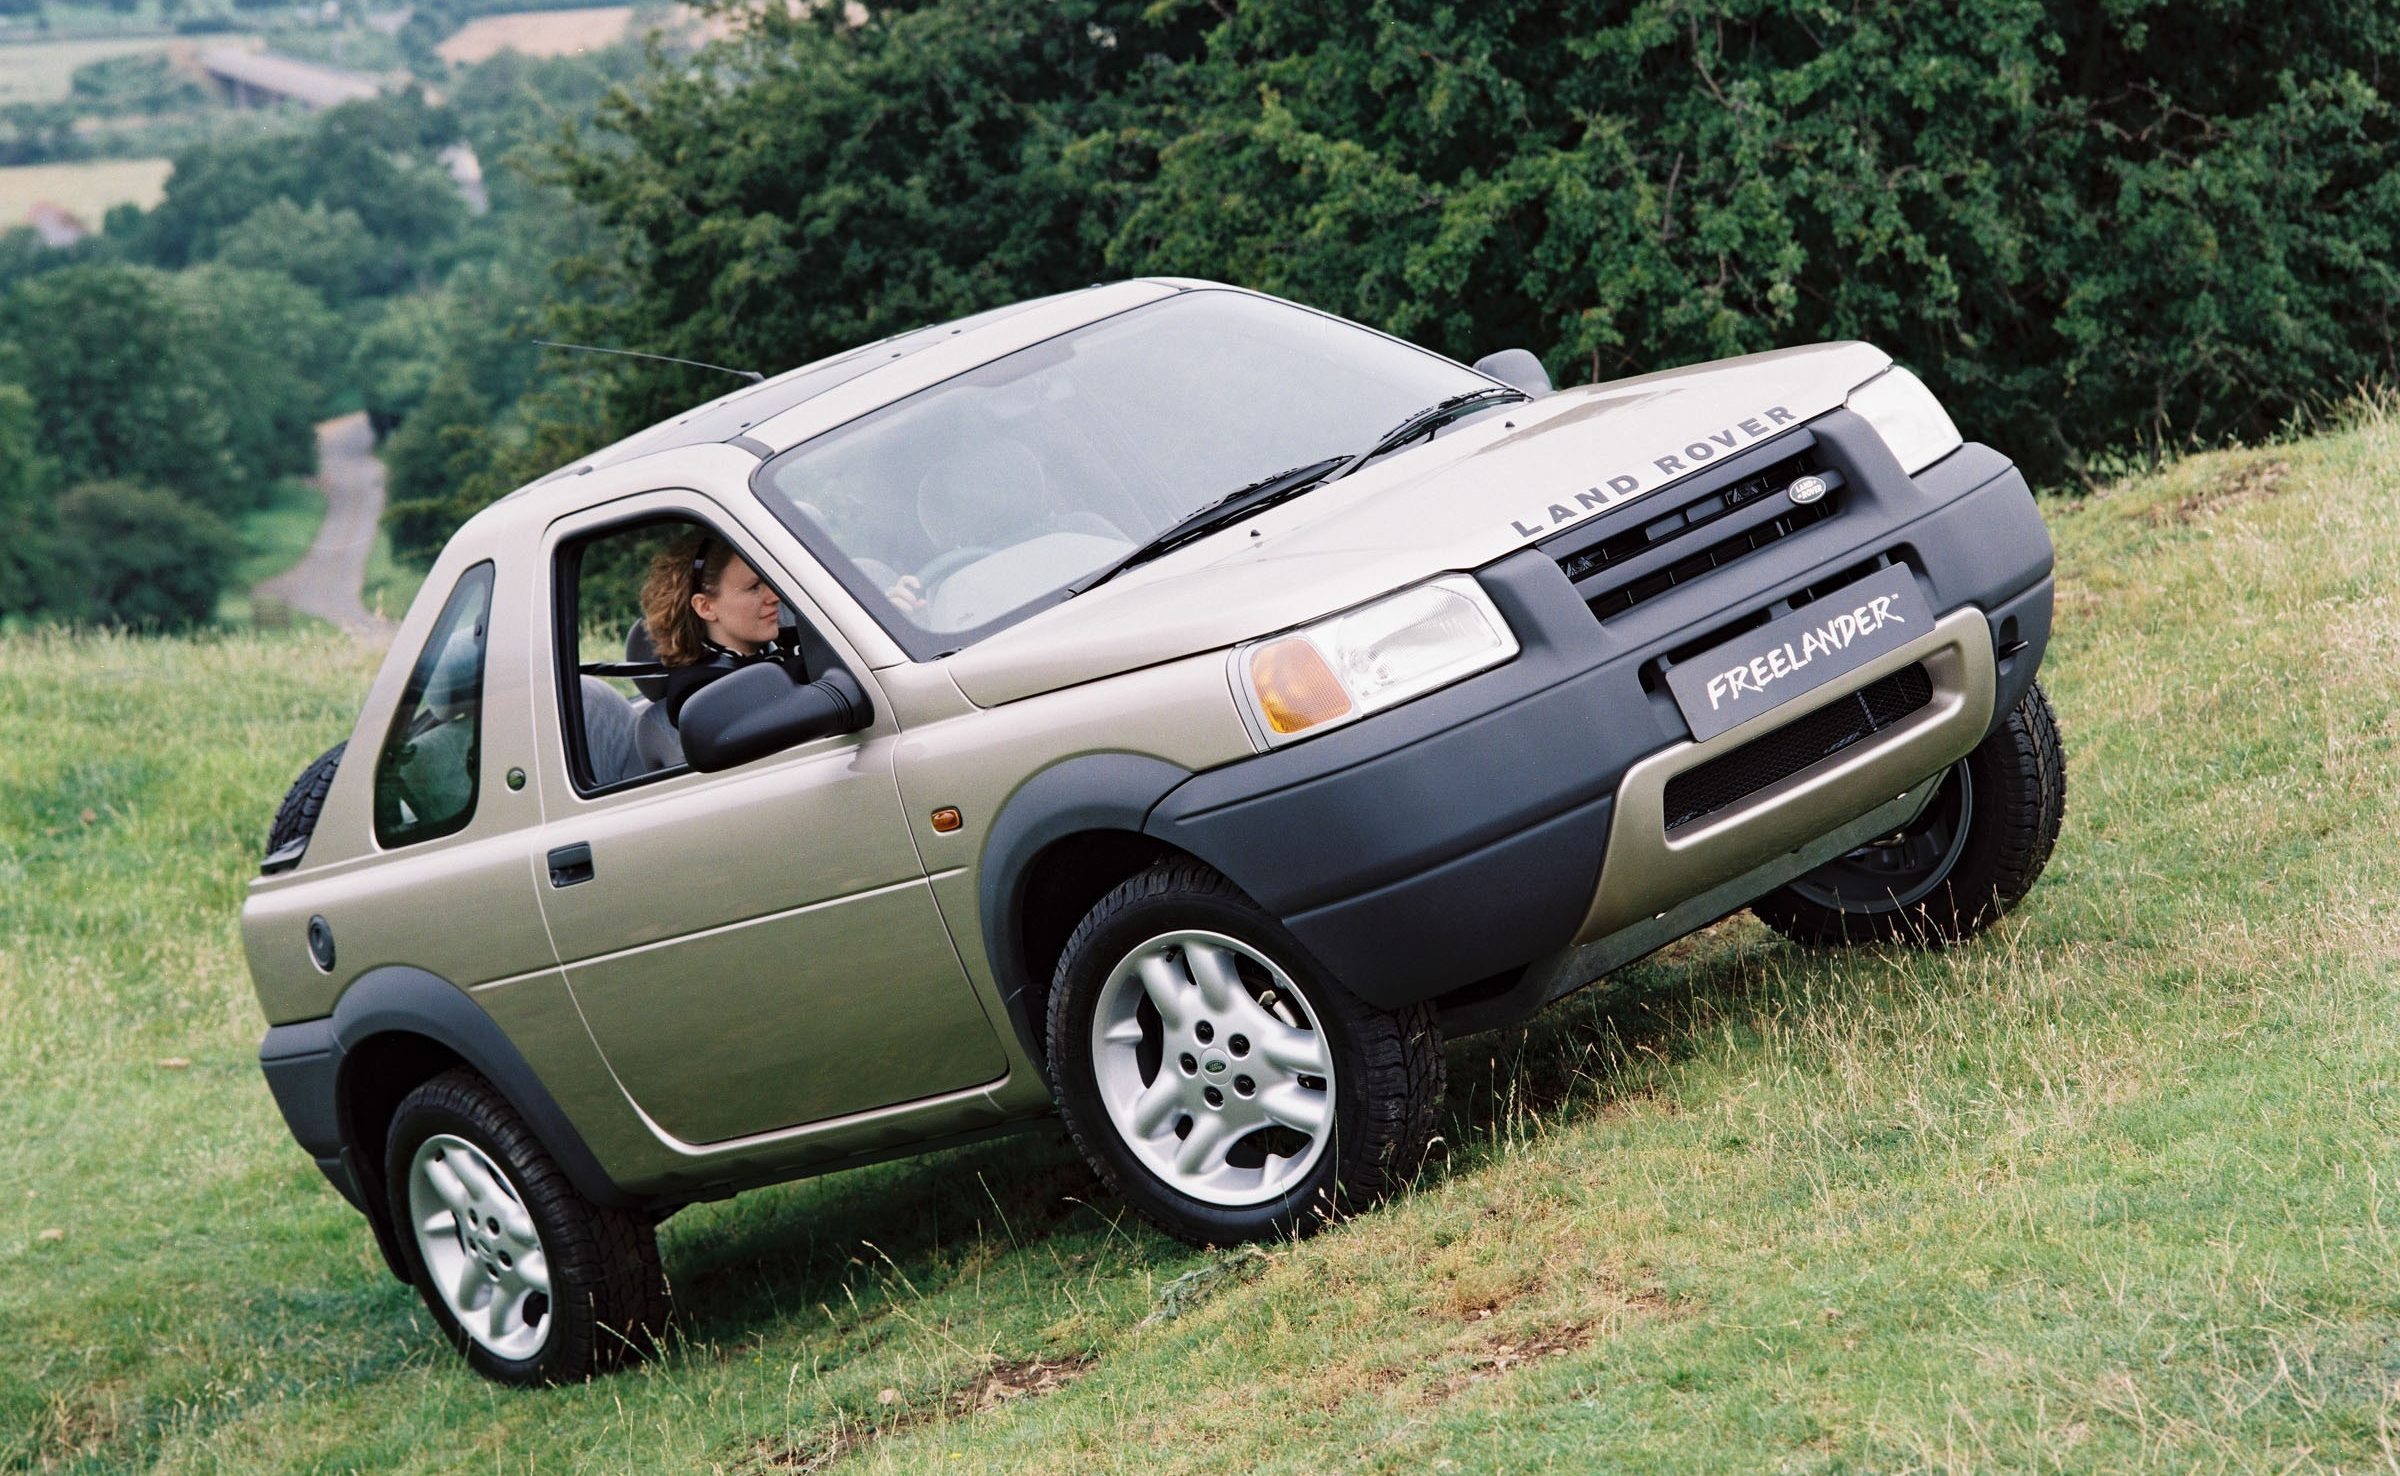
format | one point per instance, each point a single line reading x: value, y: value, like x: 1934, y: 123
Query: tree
x: 125, y: 388
x: 428, y: 462
x: 328, y: 251
x: 204, y: 384
x: 813, y: 183
x: 277, y: 348
x: 378, y: 159
x: 27, y: 518
x: 136, y: 556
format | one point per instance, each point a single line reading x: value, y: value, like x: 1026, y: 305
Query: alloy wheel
x: 1213, y: 1068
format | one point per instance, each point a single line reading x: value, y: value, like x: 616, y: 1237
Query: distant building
x: 466, y: 172
x: 55, y: 224
x: 252, y: 79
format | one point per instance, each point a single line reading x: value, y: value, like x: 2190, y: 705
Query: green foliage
x: 434, y: 454
x: 2087, y: 229
x: 203, y: 384
x: 141, y: 83
x: 277, y: 349
x: 135, y: 556
x: 330, y: 251
x: 27, y: 478
x: 377, y: 159
x: 812, y: 185
x: 2091, y: 228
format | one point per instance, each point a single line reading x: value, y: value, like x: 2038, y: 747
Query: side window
x: 425, y: 776
x: 614, y: 706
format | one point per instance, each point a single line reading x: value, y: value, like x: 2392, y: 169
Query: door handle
x: 571, y: 864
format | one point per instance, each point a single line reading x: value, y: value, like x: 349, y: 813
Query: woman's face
x: 743, y: 614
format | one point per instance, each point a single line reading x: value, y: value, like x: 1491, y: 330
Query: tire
x: 296, y: 817
x: 456, y: 1146
x: 1960, y: 866
x: 1322, y: 1103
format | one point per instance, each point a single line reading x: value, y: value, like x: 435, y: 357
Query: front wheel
x: 1968, y: 857
x: 1215, y: 1077
x: 534, y: 1283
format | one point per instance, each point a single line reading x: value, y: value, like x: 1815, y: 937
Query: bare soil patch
x: 2244, y: 481
x: 1002, y: 1383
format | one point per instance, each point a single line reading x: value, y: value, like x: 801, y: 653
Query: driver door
x: 755, y: 949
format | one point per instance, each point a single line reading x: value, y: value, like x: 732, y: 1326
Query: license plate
x: 1820, y: 642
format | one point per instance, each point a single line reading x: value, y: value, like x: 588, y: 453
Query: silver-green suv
x: 1174, y: 709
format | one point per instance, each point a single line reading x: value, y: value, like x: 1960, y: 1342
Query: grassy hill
x: 2105, y: 1191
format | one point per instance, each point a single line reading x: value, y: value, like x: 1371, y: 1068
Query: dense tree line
x: 2094, y: 228
x: 159, y: 380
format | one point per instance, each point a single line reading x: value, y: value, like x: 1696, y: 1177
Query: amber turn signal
x: 946, y: 820
x: 1296, y: 689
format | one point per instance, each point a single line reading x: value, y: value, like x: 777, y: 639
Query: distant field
x: 536, y: 33
x: 90, y: 190
x: 38, y: 71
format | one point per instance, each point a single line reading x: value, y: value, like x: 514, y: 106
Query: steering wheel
x: 943, y: 565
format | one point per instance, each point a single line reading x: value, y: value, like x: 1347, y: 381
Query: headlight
x: 1910, y: 420
x: 1379, y: 655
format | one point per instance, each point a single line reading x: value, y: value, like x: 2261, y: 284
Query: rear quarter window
x: 425, y: 775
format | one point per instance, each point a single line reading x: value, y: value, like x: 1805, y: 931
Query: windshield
x: 975, y: 502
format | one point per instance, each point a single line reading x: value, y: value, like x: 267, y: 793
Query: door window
x: 425, y: 778
x: 618, y: 586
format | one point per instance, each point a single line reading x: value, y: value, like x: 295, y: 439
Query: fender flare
x: 1091, y: 792
x: 396, y: 999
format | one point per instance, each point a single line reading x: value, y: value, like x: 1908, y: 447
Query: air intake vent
x: 1729, y: 778
x: 1712, y: 524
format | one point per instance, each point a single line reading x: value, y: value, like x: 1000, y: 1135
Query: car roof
x: 962, y: 343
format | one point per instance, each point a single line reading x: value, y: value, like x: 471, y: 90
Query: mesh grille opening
x: 1589, y: 566
x: 1696, y: 794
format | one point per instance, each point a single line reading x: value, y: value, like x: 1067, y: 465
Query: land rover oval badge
x: 1806, y: 490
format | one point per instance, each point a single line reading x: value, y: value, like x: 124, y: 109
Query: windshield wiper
x: 1212, y: 515
x: 1426, y: 421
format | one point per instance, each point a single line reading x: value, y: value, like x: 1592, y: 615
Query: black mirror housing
x: 1516, y: 367
x: 758, y: 710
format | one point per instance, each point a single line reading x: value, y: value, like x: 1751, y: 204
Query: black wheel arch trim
x: 308, y: 1066
x: 1091, y: 792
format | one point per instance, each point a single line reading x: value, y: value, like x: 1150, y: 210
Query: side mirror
x: 1518, y: 367
x: 758, y: 710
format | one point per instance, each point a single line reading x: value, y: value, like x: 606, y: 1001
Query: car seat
x: 609, y: 724
x: 654, y: 737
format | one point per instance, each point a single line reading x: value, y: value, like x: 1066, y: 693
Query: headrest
x: 638, y: 647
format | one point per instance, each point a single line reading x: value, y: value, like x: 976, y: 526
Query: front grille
x: 1707, y: 530
x: 1698, y: 793
x: 1716, y: 556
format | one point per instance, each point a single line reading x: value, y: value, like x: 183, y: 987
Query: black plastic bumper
x: 1457, y: 838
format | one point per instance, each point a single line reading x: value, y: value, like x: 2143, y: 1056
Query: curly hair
x: 686, y: 567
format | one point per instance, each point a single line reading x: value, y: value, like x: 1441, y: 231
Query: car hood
x: 1470, y: 496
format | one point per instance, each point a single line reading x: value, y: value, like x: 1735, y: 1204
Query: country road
x: 326, y: 582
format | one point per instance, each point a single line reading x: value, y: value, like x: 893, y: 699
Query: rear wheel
x: 527, y: 1278
x: 1217, y: 1079
x: 1968, y: 857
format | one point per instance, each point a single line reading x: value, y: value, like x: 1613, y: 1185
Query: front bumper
x: 1515, y: 819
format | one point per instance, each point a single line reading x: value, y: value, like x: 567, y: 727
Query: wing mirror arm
x: 760, y: 709
x: 1516, y: 367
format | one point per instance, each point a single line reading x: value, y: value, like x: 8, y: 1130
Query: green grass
x: 2104, y: 1191
x: 275, y: 537
x: 389, y: 585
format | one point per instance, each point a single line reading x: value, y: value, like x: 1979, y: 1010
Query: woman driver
x: 708, y: 613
